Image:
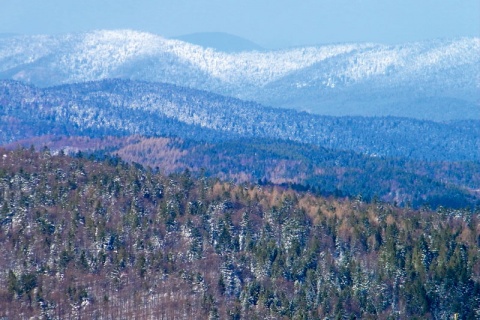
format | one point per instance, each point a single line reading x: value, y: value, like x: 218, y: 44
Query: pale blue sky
x: 270, y: 23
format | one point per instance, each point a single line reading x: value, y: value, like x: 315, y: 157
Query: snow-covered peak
x: 96, y: 54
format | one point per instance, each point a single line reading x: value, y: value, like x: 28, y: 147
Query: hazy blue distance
x: 270, y: 23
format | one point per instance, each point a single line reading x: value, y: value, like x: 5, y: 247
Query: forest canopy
x: 103, y: 238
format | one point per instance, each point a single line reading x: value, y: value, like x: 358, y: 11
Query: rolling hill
x: 121, y: 107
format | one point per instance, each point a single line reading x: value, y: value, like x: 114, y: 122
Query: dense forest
x: 304, y: 167
x: 122, y: 108
x: 94, y: 238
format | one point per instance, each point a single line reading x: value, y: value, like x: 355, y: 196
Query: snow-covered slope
x: 365, y: 79
x: 100, y: 54
x: 436, y: 80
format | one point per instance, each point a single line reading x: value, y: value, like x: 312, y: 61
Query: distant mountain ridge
x: 436, y: 80
x: 220, y: 41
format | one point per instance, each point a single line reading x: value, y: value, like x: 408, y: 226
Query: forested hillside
x: 118, y: 107
x: 106, y: 239
x: 301, y: 166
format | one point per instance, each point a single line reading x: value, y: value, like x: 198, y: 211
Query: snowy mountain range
x: 437, y: 80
